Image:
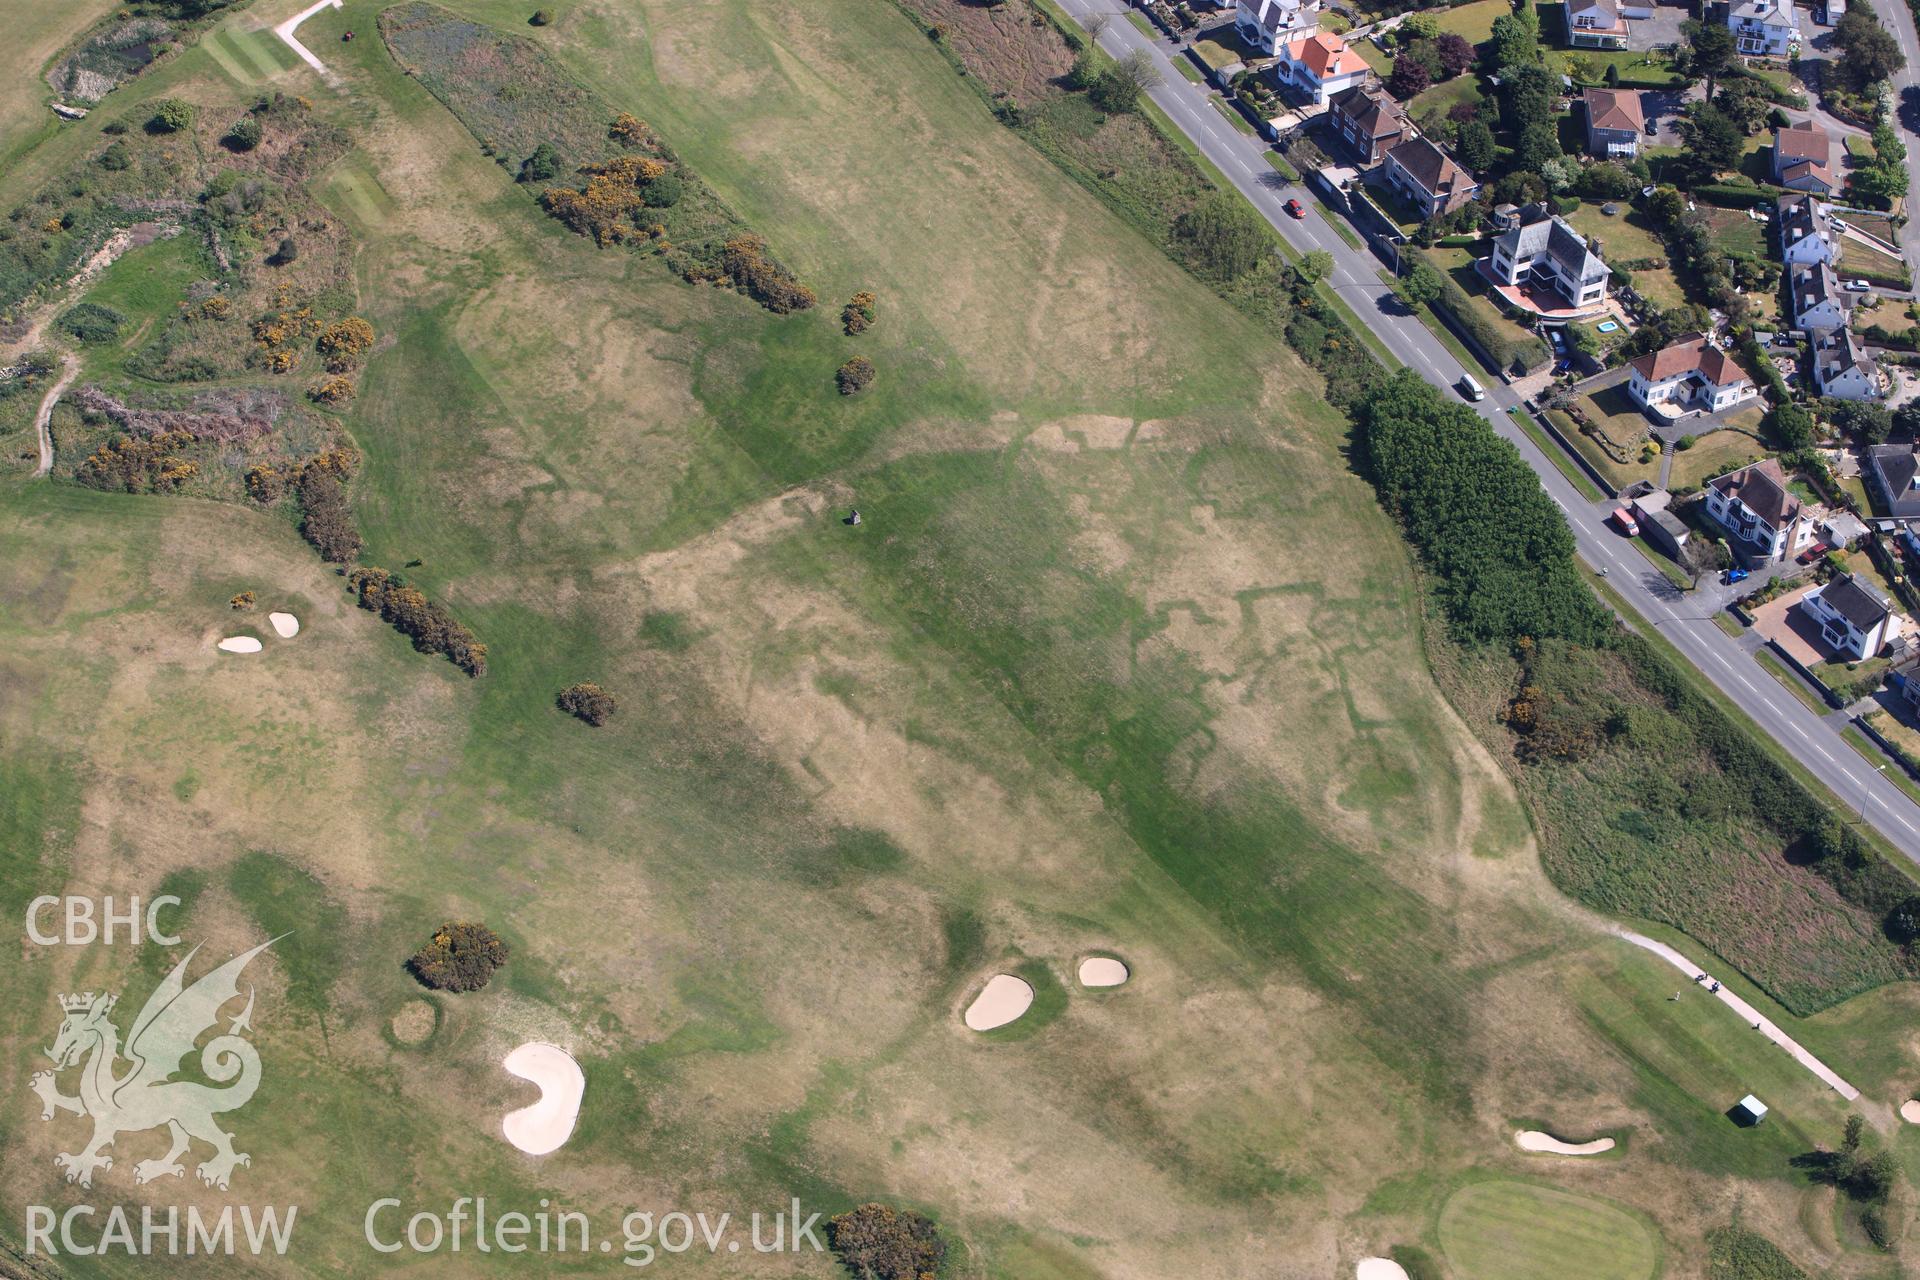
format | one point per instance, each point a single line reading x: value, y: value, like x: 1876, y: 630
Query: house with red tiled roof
x: 1318, y: 66
x: 1763, y: 520
x: 1690, y: 374
x: 1803, y: 159
x: 1615, y: 122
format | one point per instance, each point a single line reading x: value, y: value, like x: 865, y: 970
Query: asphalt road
x: 1686, y: 621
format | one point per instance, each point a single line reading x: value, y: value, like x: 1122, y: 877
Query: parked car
x: 1624, y: 521
x: 1858, y: 286
x: 1294, y: 207
x: 1736, y: 575
x: 1812, y: 553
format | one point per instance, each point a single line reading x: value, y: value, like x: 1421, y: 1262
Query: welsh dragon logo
x: 144, y: 1095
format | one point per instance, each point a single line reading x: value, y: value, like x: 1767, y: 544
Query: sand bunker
x: 285, y: 625
x: 1534, y: 1140
x: 1102, y: 971
x: 1910, y: 1111
x: 1379, y: 1269
x: 239, y: 644
x: 1004, y: 1000
x: 547, y: 1124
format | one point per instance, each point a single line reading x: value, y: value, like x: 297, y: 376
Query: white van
x: 1470, y: 387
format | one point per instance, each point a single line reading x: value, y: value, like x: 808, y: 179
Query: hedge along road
x: 1688, y: 626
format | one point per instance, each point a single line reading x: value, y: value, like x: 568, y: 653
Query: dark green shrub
x: 663, y: 192
x: 170, y: 115
x: 541, y: 18
x: 92, y: 323
x: 1903, y: 922
x: 116, y: 158
x: 461, y: 956
x: 542, y: 166
x: 244, y: 136
x: 325, y: 519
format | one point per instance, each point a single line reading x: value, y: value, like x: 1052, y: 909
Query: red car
x: 1293, y: 207
x: 1812, y: 553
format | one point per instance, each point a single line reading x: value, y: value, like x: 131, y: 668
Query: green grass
x: 1234, y: 117
x: 1592, y: 66
x: 1672, y: 572
x: 1717, y: 453
x: 1474, y: 21
x: 1792, y: 680
x: 1873, y: 755
x: 1575, y: 475
x: 148, y: 286
x: 1184, y: 66
x: 1339, y: 226
x: 1504, y: 1230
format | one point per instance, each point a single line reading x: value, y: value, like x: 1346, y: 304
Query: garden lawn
x: 1626, y: 237
x: 1713, y: 454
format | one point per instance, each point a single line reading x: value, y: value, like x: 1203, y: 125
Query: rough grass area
x: 514, y: 99
x: 1500, y: 1230
x: 1738, y: 1253
x: 1717, y: 453
x: 1642, y: 815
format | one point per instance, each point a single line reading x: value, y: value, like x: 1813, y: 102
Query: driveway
x: 1782, y: 621
x: 1659, y: 31
x: 1663, y: 109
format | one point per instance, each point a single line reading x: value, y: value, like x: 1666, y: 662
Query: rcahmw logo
x: 145, y: 1095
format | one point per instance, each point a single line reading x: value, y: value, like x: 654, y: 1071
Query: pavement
x: 1754, y: 1018
x: 1898, y: 18
x: 1685, y: 619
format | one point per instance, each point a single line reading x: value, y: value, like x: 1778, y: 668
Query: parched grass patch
x: 1735, y: 232
x: 1501, y: 1230
x: 1473, y: 21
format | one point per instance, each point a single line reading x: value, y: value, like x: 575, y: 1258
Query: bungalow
x: 1806, y: 229
x: 1615, y: 122
x: 1369, y: 121
x: 1545, y: 249
x: 1803, y: 159
x: 1428, y: 176
x: 1842, y: 367
x: 1895, y: 472
x: 1595, y: 24
x: 1764, y: 522
x: 1764, y: 28
x: 1690, y: 374
x: 1268, y: 24
x: 1854, y: 619
x: 1818, y: 300
x: 1319, y: 66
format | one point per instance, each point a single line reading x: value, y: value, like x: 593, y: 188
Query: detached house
x: 1803, y: 159
x: 1595, y: 24
x: 1818, y: 300
x: 1764, y: 28
x: 1690, y: 374
x: 1369, y: 121
x: 1854, y: 618
x: 1895, y: 472
x: 1318, y: 66
x: 1615, y: 122
x: 1764, y: 522
x: 1806, y: 230
x: 1842, y: 367
x: 1545, y: 249
x: 1428, y: 176
x: 1269, y: 24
